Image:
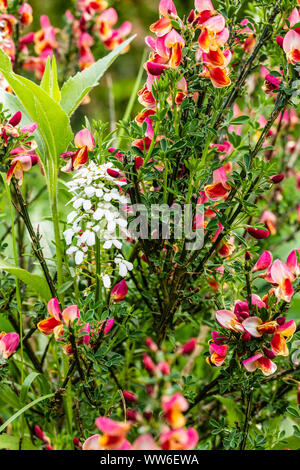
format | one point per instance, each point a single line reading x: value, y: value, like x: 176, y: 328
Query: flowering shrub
x: 149, y: 288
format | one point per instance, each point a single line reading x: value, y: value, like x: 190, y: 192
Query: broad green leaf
x: 14, y: 443
x: 22, y: 410
x: 49, y: 81
x: 55, y: 91
x: 36, y: 282
x: 53, y: 122
x: 12, y: 103
x: 77, y: 87
x: 45, y: 82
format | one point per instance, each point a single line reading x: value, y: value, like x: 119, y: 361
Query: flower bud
x: 268, y: 353
x: 191, y: 17
x: 119, y: 291
x: 151, y: 345
x: 247, y: 255
x: 39, y: 433
x: 49, y: 447
x: 281, y: 320
x: 246, y: 337
x: 113, y: 173
x: 277, y: 178
x: 139, y: 162
x: 258, y: 233
x: 77, y: 443
x: 279, y: 40
x: 133, y: 415
x: 163, y: 367
x: 129, y: 397
x: 188, y: 347
x: 15, y: 119
x: 148, y: 363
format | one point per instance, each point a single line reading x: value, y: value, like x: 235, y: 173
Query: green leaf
x: 293, y: 411
x: 49, y: 81
x: 22, y: 410
x: 12, y: 104
x: 53, y: 122
x: 9, y: 397
x: 45, y: 82
x: 28, y: 382
x: 14, y: 443
x: 238, y: 120
x: 35, y: 281
x: 233, y: 411
x: 77, y: 87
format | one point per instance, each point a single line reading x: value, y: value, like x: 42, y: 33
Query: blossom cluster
x: 88, y: 23
x: 257, y: 321
x: 58, y: 323
x: 19, y: 149
x: 97, y: 203
x: 174, y: 436
x: 173, y: 36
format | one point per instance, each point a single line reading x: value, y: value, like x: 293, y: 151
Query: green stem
x: 151, y: 148
x: 18, y: 293
x: 98, y: 270
x: 55, y: 218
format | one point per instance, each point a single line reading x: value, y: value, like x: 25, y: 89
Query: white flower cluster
x: 96, y: 213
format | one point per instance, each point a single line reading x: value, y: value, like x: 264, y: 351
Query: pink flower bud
x: 49, y: 447
x: 39, y: 433
x: 139, y: 162
x: 281, y: 320
x: 247, y: 255
x: 163, y: 367
x: 258, y: 233
x: 246, y: 337
x: 119, y: 291
x: 15, y: 119
x: 113, y: 173
x: 151, y: 345
x: 188, y: 347
x: 77, y: 443
x: 268, y: 353
x: 191, y: 17
x: 277, y: 178
x: 130, y: 397
x: 148, y: 363
x: 279, y: 40
x: 132, y: 415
